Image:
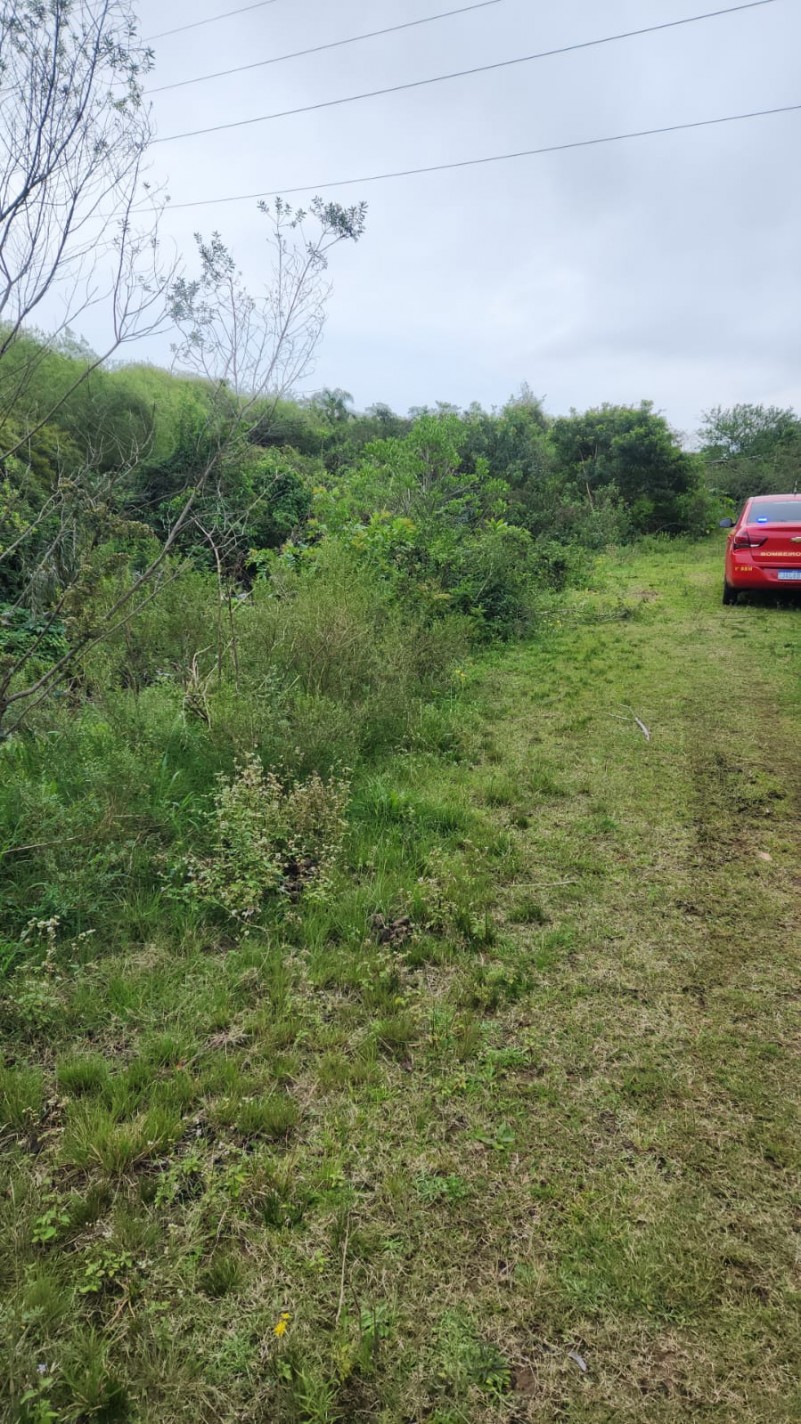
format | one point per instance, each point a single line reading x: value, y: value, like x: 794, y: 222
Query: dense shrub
x: 327, y: 669
x: 633, y: 450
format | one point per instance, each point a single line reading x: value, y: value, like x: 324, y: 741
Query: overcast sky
x: 666, y: 268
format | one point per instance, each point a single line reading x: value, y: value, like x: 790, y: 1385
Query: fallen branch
x: 646, y: 733
x: 640, y: 724
x: 62, y: 840
x: 549, y: 884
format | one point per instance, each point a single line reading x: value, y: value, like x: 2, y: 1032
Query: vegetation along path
x: 507, y: 1131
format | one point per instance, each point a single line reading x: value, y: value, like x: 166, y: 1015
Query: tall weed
x: 270, y: 843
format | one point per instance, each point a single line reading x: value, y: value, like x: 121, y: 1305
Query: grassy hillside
x: 502, y: 1123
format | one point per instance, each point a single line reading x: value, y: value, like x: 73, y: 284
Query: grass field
x: 506, y: 1130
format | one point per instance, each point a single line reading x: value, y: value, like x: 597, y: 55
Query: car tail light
x: 743, y: 540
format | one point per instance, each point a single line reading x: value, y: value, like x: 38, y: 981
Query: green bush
x: 490, y: 575
x: 269, y: 843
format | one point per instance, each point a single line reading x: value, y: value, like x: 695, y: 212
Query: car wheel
x: 729, y: 594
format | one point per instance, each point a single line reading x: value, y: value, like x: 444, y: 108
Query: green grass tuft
x: 21, y: 1097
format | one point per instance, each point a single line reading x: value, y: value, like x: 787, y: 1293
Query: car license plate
x: 794, y: 574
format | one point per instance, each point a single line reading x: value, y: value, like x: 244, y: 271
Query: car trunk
x: 776, y: 546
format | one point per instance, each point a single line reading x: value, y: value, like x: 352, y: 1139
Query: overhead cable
x: 210, y: 20
x: 492, y: 158
x: 333, y: 44
x: 464, y: 73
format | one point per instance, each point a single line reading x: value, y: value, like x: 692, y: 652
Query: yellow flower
x: 279, y: 1328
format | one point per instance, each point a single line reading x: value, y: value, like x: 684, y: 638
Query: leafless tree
x: 78, y: 219
x: 257, y: 345
x: 253, y: 350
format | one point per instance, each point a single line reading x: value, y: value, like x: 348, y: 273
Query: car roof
x: 767, y: 497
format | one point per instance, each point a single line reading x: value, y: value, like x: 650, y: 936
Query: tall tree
x: 633, y: 451
x: 751, y: 449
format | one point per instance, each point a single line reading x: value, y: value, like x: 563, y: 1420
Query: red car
x: 763, y: 550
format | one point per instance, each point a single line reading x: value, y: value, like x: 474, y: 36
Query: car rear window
x: 775, y: 511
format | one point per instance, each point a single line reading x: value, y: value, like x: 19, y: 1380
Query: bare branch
x: 78, y: 221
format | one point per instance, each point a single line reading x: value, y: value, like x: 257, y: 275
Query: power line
x: 195, y: 24
x: 493, y: 158
x: 465, y: 73
x: 334, y: 44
